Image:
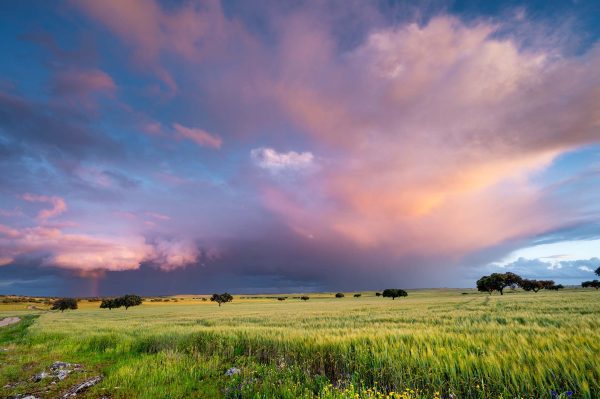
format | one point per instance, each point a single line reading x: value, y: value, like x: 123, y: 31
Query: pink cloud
x: 198, y: 136
x: 83, y: 82
x: 93, y: 252
x: 58, y: 205
x: 433, y: 133
x: 174, y: 253
x: 78, y: 252
x: 193, y: 32
x: 158, y: 216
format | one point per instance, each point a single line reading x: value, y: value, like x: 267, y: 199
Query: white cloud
x: 270, y: 159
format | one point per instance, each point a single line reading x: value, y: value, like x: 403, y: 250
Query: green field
x: 432, y: 344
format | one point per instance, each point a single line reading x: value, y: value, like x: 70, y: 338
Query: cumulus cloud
x: 79, y: 252
x: 270, y: 159
x: 201, y: 137
x: 170, y: 254
x: 91, y: 253
x: 436, y: 145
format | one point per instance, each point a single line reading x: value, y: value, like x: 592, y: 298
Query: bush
x: 305, y: 298
x: 339, y: 295
x: 63, y: 304
x: 357, y: 295
x: 281, y: 298
x: 394, y: 293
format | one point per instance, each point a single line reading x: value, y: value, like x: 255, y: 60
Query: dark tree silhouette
x: 63, y: 304
x: 378, y: 294
x: 597, y: 271
x: 498, y: 282
x: 129, y: 300
x: 305, y: 298
x: 536, y: 285
x: 357, y: 295
x: 591, y: 284
x: 394, y: 293
x: 221, y: 298
x: 531, y: 285
x: 109, y: 304
x: 125, y: 301
x: 339, y: 295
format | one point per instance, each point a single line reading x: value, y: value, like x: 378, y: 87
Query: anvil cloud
x: 320, y: 145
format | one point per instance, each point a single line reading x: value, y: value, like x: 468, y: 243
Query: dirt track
x: 9, y: 320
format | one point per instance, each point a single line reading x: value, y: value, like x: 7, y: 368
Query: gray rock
x: 90, y: 382
x: 232, y: 371
x: 58, y: 370
x: 40, y: 376
x: 62, y: 374
x: 64, y: 366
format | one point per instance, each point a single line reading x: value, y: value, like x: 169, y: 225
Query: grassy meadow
x: 432, y: 344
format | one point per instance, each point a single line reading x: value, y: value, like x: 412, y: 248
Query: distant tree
x: 536, y: 285
x: 128, y: 300
x: 531, y: 285
x: 339, y: 295
x: 221, y: 298
x: 63, y: 304
x: 281, y: 298
x: 109, y: 303
x: 555, y: 287
x: 498, y: 282
x: 305, y: 298
x: 593, y: 284
x: 357, y: 295
x: 378, y: 294
x: 394, y: 293
x: 547, y: 284
x: 597, y: 271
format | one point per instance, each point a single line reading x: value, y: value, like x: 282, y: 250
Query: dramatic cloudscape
x: 264, y: 146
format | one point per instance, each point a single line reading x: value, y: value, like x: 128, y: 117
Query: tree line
x: 500, y: 281
x: 592, y: 283
x: 125, y: 301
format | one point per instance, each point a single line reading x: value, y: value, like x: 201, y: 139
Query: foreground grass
x: 432, y: 344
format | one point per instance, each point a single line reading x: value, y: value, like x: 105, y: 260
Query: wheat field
x: 432, y: 344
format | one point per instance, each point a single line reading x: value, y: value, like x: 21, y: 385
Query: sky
x: 162, y: 147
